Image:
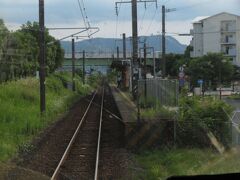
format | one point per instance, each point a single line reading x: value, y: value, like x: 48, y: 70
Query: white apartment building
x: 218, y: 33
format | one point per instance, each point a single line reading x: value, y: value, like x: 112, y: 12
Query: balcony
x: 229, y: 51
x: 228, y: 26
x: 228, y: 41
x: 232, y: 52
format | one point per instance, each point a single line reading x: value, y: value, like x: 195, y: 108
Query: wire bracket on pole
x: 139, y: 1
x: 75, y: 34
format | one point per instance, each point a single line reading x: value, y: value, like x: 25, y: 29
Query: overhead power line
x: 83, y: 13
x: 141, y: 22
x: 151, y: 22
x: 135, y: 63
x: 144, y: 14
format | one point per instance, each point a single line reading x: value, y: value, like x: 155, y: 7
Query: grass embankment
x: 164, y: 163
x: 20, y: 118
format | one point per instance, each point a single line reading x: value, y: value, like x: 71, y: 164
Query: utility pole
x: 163, y: 43
x: 117, y: 53
x: 42, y: 57
x: 83, y: 67
x: 135, y: 32
x: 73, y: 65
x: 164, y: 11
x: 135, y: 63
x: 145, y: 70
x: 124, y: 46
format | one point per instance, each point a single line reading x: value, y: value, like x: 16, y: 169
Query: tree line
x: 213, y: 68
x: 19, y: 52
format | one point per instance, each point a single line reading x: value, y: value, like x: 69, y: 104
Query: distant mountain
x: 102, y: 45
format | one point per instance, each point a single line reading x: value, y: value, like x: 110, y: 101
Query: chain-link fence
x: 158, y: 91
x: 235, y: 119
x: 216, y: 133
x: 182, y: 134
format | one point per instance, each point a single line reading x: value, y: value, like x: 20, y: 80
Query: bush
x: 198, y: 116
x: 159, y: 112
x: 53, y: 83
x: 112, y: 76
x: 95, y: 79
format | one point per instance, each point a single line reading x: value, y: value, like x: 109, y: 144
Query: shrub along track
x: 49, y: 150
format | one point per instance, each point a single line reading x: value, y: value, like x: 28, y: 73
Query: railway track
x: 81, y: 157
x: 76, y: 148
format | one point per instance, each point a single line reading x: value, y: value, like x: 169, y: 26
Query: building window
x: 227, y: 50
x: 226, y: 40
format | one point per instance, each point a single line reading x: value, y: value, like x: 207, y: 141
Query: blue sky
x: 101, y: 13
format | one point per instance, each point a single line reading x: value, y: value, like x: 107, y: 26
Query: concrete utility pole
x: 164, y: 11
x: 42, y: 56
x: 145, y: 70
x: 124, y: 47
x: 135, y: 63
x: 135, y: 49
x: 163, y: 43
x: 73, y: 65
x: 117, y: 53
x: 135, y: 32
x: 83, y: 67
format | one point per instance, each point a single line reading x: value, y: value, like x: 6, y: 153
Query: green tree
x: 54, y: 52
x: 3, y: 35
x: 213, y: 68
x: 3, y: 31
x: 19, y: 51
x: 188, y: 52
x: 236, y: 73
x: 28, y: 51
x: 173, y: 62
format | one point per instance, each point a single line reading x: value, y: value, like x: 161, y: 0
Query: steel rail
x: 64, y: 157
x: 99, y: 138
x: 109, y: 112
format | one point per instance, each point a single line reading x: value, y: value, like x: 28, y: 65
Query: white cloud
x: 102, y: 13
x: 108, y: 29
x: 28, y: 2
